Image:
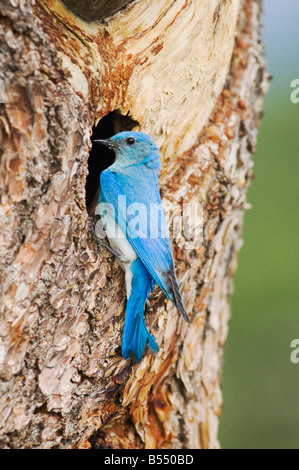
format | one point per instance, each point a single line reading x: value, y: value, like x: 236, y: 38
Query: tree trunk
x: 190, y: 74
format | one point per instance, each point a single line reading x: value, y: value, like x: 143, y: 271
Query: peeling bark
x: 191, y: 74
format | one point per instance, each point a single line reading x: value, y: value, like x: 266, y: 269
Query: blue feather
x: 154, y: 252
x: 136, y: 334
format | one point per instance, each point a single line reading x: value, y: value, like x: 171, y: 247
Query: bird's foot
x: 119, y: 256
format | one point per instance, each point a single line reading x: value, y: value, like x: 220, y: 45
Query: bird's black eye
x: 130, y: 140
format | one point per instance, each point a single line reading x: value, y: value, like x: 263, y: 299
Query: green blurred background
x: 260, y: 383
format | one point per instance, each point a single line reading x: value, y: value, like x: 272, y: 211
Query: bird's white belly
x: 117, y: 238
x: 119, y: 242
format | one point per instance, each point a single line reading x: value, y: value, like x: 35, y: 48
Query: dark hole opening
x: 96, y: 10
x: 100, y: 156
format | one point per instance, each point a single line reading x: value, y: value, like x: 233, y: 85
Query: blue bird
x: 134, y: 222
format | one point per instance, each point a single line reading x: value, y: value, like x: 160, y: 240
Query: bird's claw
x: 98, y: 240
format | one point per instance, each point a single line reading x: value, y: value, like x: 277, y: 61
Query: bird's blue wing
x: 141, y: 217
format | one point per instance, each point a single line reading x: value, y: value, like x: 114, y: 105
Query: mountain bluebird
x: 134, y: 222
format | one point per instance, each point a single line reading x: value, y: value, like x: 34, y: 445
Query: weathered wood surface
x: 192, y: 76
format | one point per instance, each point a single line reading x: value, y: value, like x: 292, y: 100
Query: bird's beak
x: 111, y: 144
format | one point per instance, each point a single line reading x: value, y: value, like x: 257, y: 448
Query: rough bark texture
x: 191, y: 74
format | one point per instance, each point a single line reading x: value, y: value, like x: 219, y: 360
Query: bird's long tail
x: 136, y: 334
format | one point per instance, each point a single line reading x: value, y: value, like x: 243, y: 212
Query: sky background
x: 260, y: 383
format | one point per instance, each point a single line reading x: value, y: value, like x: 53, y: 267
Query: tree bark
x: 189, y: 73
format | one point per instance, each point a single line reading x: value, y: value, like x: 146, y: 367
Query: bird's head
x: 133, y: 148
